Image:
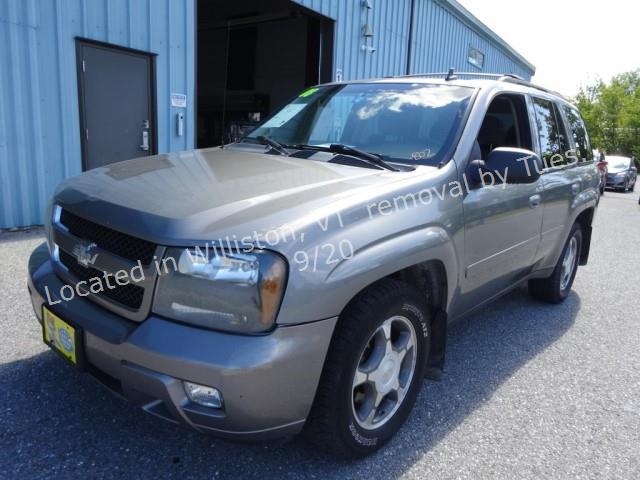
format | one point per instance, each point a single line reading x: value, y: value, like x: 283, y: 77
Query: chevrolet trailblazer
x: 302, y: 279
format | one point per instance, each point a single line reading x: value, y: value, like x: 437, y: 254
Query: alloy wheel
x: 568, y: 263
x: 384, y: 372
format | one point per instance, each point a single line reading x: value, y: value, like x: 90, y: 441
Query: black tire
x: 332, y: 425
x: 550, y: 289
x: 633, y: 187
x: 601, y: 190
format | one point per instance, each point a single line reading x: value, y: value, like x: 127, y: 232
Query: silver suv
x: 303, y: 278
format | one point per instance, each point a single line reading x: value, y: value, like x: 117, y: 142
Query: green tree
x: 612, y: 113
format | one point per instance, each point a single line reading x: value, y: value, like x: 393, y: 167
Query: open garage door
x: 252, y: 57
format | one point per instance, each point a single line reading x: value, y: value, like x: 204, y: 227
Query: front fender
x: 373, y: 262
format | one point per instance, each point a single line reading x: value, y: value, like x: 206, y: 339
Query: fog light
x: 203, y: 395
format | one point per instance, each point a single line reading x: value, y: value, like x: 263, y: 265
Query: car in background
x: 622, y: 173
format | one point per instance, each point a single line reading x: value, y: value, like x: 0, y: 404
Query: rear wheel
x: 557, y: 287
x: 373, y: 372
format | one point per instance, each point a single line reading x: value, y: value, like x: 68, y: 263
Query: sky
x: 570, y: 42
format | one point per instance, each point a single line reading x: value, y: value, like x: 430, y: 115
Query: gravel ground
x: 531, y: 391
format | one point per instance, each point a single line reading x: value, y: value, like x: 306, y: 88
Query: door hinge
x: 84, y: 66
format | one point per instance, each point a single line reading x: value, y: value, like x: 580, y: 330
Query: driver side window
x: 506, y: 124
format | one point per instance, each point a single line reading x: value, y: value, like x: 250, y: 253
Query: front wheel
x: 373, y: 372
x: 557, y: 287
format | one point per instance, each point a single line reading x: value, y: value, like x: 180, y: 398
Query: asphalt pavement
x: 530, y: 391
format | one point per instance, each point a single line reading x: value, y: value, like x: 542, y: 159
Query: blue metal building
x: 77, y: 74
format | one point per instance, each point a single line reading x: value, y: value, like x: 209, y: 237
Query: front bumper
x: 614, y: 182
x: 268, y: 382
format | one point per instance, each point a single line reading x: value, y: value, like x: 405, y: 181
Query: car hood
x: 204, y: 195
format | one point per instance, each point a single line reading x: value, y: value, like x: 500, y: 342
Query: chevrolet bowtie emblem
x: 84, y: 253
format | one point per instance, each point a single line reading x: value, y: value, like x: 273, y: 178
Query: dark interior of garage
x: 252, y: 57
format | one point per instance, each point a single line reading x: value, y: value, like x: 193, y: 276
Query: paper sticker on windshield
x: 284, y: 115
x: 308, y: 92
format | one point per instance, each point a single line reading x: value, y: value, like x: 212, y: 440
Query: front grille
x: 128, y: 295
x: 112, y: 241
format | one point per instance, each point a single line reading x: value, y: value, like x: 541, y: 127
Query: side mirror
x: 512, y: 165
x: 475, y: 170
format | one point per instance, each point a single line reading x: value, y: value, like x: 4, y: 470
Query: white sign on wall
x: 179, y: 100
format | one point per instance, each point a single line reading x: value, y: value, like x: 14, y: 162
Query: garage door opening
x: 253, y: 56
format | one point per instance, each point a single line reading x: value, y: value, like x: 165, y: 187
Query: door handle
x: 534, y: 201
x: 145, y: 140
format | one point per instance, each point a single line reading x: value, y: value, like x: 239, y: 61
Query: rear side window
x: 579, y: 131
x: 554, y: 143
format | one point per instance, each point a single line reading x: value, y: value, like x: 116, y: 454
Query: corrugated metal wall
x: 389, y: 20
x: 441, y: 39
x: 39, y: 125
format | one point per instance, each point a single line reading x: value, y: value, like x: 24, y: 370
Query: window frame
x: 470, y: 57
x: 526, y: 117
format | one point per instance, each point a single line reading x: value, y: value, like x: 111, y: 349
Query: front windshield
x: 617, y: 164
x: 406, y: 123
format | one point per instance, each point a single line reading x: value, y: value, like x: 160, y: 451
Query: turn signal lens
x: 271, y: 289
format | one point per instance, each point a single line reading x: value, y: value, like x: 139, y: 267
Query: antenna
x: 451, y: 75
x: 226, y: 81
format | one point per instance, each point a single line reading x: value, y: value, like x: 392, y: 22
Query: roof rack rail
x: 501, y: 77
x: 526, y: 83
x: 453, y: 75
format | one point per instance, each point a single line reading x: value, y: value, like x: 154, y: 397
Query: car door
x: 631, y: 174
x: 502, y: 221
x: 561, y: 181
x: 586, y: 164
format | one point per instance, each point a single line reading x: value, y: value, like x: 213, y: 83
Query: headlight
x: 52, y: 210
x: 240, y: 292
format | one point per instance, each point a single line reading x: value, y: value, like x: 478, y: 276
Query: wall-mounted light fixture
x: 367, y: 31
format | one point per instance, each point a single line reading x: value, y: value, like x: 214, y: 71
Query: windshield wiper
x: 340, y: 148
x: 277, y: 146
